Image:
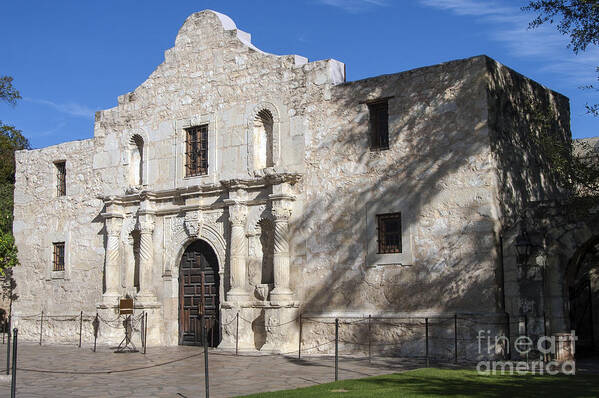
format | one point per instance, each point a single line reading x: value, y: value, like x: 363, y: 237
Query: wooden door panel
x: 197, y: 259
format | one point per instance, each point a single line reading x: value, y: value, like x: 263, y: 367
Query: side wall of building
x: 41, y: 219
x: 437, y: 173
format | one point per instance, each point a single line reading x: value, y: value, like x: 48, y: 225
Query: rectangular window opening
x: 61, y: 178
x: 379, y: 125
x: 58, y: 262
x: 389, y: 233
x: 196, y: 151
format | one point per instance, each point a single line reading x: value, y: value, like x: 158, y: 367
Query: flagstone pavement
x: 173, y: 372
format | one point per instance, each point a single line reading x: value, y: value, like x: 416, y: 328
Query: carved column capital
x: 281, y: 206
x: 146, y: 223
x: 114, y: 226
x: 238, y: 213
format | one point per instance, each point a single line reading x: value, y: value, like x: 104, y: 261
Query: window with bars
x: 61, y: 178
x: 379, y: 125
x: 58, y: 262
x: 196, y: 151
x: 389, y: 233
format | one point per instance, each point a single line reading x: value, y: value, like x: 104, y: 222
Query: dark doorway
x: 198, y: 258
x: 581, y: 315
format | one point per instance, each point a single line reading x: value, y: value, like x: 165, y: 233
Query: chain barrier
x: 455, y: 334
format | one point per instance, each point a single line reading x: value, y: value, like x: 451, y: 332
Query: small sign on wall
x: 126, y: 306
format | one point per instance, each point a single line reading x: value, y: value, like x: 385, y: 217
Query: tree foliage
x: 11, y: 140
x: 578, y: 19
x: 7, y: 92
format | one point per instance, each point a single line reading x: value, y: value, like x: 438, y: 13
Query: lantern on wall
x: 523, y: 246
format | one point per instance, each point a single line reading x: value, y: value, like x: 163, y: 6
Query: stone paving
x: 174, y: 372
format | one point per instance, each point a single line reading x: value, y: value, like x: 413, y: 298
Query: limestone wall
x: 437, y: 172
x: 42, y: 218
x: 519, y: 109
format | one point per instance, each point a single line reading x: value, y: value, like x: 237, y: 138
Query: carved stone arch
x: 208, y: 234
x: 257, y: 115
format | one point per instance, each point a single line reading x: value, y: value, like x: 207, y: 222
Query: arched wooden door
x: 198, y: 258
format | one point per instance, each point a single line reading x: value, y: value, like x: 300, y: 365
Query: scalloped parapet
x: 210, y: 51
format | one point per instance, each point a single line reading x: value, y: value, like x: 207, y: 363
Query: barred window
x: 196, y: 151
x: 379, y: 125
x: 58, y: 262
x: 389, y: 232
x: 61, y: 178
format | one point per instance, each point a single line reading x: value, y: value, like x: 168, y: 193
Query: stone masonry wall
x: 42, y: 218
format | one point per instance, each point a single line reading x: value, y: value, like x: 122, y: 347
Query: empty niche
x: 263, y: 140
x: 136, y: 235
x: 267, y: 236
x: 136, y: 159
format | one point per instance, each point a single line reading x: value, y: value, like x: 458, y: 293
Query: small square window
x: 389, y: 233
x: 379, y: 125
x: 58, y: 262
x: 61, y: 178
x: 196, y: 151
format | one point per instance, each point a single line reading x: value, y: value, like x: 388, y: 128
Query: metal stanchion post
x: 145, y: 331
x: 299, y: 344
x: 8, y: 352
x: 508, y: 336
x: 369, y: 339
x: 455, y: 338
x: 426, y: 339
x: 13, y: 384
x: 204, y: 338
x: 526, y: 332
x: 96, y: 325
x: 80, y: 328
x: 41, y: 326
x: 237, y: 334
x: 336, y: 349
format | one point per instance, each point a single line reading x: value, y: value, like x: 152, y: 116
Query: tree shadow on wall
x: 439, y: 170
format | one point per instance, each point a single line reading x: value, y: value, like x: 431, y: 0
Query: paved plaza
x: 174, y: 372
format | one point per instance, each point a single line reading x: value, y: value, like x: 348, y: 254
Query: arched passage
x: 199, y: 283
x: 582, y: 293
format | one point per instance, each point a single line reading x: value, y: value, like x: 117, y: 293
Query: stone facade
x: 291, y: 194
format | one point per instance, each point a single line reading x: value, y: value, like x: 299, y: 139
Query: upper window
x: 61, y: 178
x: 196, y: 151
x: 379, y: 125
x: 389, y: 233
x: 58, y: 262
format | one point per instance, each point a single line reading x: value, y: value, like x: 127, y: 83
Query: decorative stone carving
x: 193, y: 222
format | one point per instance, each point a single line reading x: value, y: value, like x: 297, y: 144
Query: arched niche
x: 262, y: 137
x: 263, y: 123
x: 136, y: 160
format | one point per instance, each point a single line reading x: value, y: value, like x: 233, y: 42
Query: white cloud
x: 354, y: 6
x: 70, y: 108
x: 509, y: 25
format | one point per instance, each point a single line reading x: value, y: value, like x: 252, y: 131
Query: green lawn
x: 450, y: 383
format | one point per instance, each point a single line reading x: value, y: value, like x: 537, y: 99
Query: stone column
x: 112, y: 267
x: 238, y: 249
x: 281, y: 210
x: 146, y: 257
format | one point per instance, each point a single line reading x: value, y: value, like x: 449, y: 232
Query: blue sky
x: 71, y: 58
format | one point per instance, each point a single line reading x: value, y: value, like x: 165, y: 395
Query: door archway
x: 197, y: 260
